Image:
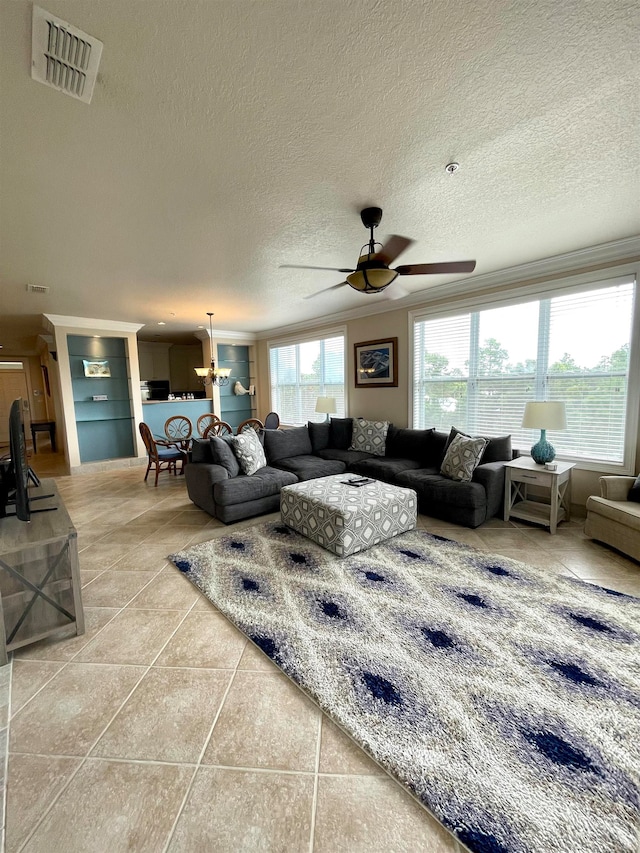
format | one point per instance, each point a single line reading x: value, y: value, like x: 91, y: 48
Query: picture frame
x: 376, y: 363
x: 96, y: 369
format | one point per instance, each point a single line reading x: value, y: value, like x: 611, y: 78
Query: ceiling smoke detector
x: 63, y: 57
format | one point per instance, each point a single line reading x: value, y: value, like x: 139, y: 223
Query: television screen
x: 19, y: 461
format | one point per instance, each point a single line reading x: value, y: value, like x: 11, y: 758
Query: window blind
x: 477, y: 370
x: 302, y: 372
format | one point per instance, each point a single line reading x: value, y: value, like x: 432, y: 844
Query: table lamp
x: 544, y: 416
x: 326, y: 405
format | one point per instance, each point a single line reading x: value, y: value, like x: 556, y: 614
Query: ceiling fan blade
x: 437, y: 269
x: 303, y: 267
x: 324, y: 290
x: 392, y: 248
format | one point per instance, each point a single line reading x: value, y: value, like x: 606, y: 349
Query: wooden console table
x: 39, y: 574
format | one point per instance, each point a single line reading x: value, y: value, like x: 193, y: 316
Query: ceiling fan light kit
x: 372, y: 273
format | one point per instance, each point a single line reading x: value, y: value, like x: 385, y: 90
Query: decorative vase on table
x: 543, y: 416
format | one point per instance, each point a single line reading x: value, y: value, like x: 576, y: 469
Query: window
x: 302, y: 372
x: 477, y: 370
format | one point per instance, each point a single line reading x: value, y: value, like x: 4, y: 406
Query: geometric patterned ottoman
x: 346, y: 519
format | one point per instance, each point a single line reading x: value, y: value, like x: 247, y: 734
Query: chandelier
x: 213, y: 375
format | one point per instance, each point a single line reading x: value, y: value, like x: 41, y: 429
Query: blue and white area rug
x: 506, y: 699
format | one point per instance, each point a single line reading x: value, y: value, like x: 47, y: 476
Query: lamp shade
x: 549, y: 415
x: 326, y: 405
x: 371, y: 280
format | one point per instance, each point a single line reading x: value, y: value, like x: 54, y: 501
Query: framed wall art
x: 96, y: 368
x: 376, y: 363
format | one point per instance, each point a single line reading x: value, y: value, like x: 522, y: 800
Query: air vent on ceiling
x: 62, y: 56
x: 37, y: 288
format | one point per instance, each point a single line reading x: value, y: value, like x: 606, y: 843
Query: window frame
x: 608, y: 276
x: 307, y: 337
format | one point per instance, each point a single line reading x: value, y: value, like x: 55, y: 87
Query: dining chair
x: 204, y: 421
x: 217, y: 428
x: 272, y: 421
x: 252, y: 423
x: 162, y: 455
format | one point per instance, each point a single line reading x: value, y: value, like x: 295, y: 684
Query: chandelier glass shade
x: 213, y: 375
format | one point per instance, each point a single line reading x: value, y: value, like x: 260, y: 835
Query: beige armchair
x: 612, y: 519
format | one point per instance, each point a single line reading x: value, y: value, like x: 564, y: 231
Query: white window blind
x: 476, y: 371
x: 302, y: 372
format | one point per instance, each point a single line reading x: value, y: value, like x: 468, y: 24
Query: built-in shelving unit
x: 236, y: 408
x: 105, y: 427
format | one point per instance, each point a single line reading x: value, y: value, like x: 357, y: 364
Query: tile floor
x: 163, y: 729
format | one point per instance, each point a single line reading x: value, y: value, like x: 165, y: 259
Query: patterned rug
x: 506, y: 699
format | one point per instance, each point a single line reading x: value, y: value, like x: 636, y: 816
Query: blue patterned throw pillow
x: 249, y: 451
x: 369, y: 436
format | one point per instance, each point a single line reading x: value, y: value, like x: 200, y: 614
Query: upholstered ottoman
x: 346, y: 519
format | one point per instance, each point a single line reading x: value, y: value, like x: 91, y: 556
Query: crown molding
x: 604, y: 256
x: 224, y: 336
x: 56, y: 320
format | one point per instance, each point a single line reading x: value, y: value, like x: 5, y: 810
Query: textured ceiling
x: 226, y: 138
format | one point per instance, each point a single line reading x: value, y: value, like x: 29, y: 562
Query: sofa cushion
x: 264, y: 483
x: 498, y: 448
x: 623, y: 512
x: 634, y: 491
x: 249, y: 451
x: 462, y: 457
x: 384, y: 468
x: 409, y: 443
x: 201, y: 450
x: 311, y: 467
x: 320, y: 435
x: 349, y: 457
x: 369, y: 436
x: 222, y: 454
x: 283, y: 443
x: 434, y: 489
x: 341, y: 429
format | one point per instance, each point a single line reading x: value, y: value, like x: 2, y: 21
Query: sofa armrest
x: 200, y: 478
x: 615, y: 487
x: 491, y: 476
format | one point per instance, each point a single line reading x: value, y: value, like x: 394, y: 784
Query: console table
x: 524, y: 472
x: 39, y: 574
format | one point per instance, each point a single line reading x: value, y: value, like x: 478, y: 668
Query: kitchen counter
x: 156, y: 412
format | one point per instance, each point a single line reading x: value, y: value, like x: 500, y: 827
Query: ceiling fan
x: 372, y: 274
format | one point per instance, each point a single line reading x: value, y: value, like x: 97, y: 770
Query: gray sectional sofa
x: 412, y: 459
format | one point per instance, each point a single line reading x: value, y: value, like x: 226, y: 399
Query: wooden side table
x: 524, y: 472
x: 39, y: 575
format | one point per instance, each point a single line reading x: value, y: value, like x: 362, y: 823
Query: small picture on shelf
x: 96, y: 368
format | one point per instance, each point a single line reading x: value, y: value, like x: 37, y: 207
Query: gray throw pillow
x: 498, y: 448
x: 369, y: 436
x: 222, y: 454
x: 249, y: 451
x: 340, y: 431
x: 462, y: 458
x: 320, y: 435
x: 634, y: 491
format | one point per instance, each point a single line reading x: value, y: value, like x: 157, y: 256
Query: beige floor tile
x: 133, y: 636
x: 174, y: 537
x: 358, y: 814
x: 114, y: 806
x: 465, y: 537
x: 115, y: 589
x: 254, y: 659
x: 100, y: 556
x: 539, y: 558
x: 168, y: 717
x: 266, y: 721
x: 54, y: 648
x: 86, y: 576
x: 34, y: 781
x: 205, y: 640
x: 496, y: 539
x: 146, y: 558
x: 339, y: 754
x: 28, y: 677
x: 166, y: 592
x: 202, y: 602
x: 588, y: 564
x: 245, y: 812
x: 68, y: 714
